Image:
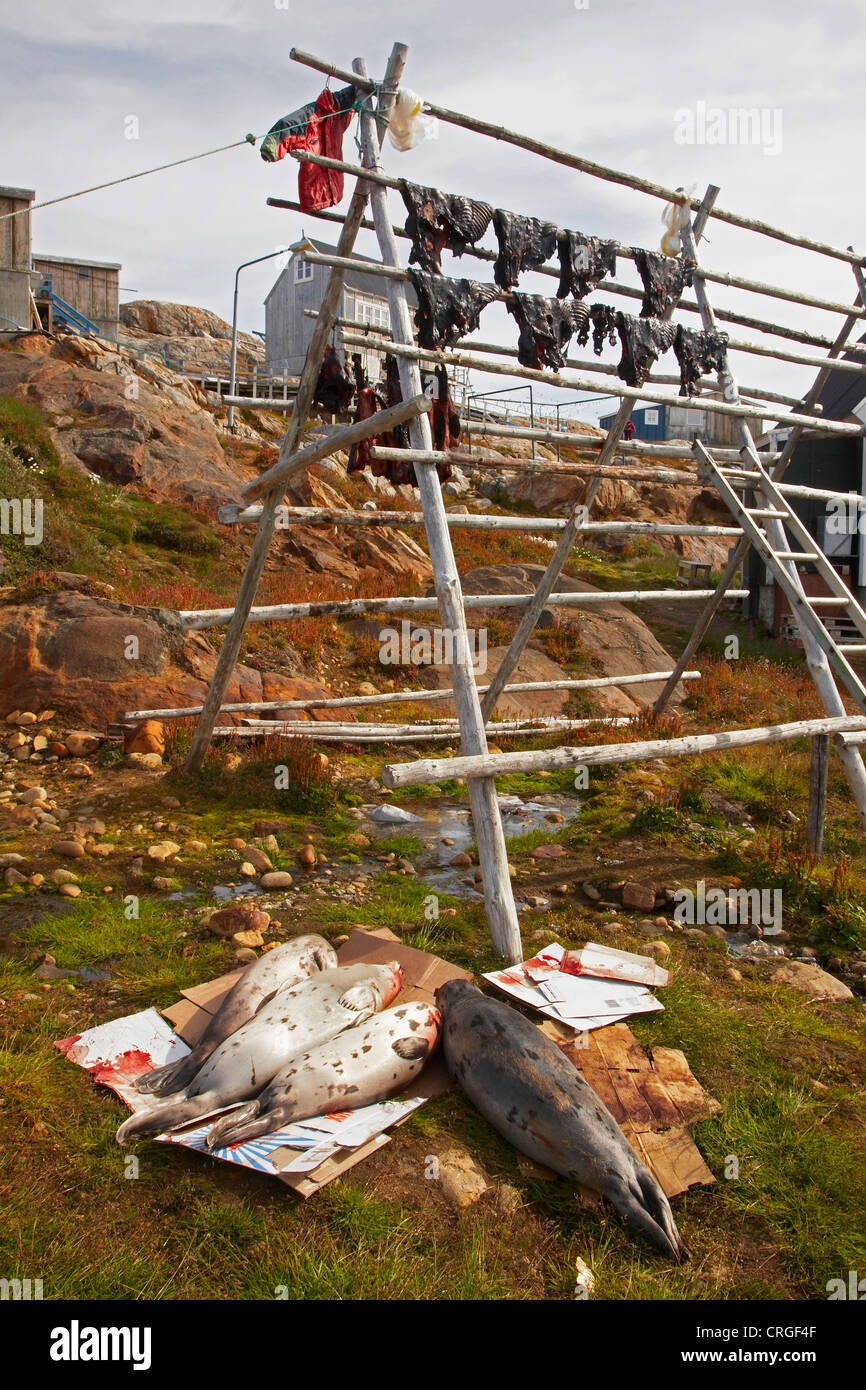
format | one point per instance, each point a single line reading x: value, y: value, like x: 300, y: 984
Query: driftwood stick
x: 486, y: 818
x: 504, y: 764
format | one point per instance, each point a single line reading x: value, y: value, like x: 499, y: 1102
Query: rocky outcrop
x: 353, y: 552
x: 130, y: 423
x: 186, y: 333
x: 533, y: 666
x: 95, y: 659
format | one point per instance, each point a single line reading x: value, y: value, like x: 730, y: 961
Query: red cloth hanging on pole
x: 318, y: 127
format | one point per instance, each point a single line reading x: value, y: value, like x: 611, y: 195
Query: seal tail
x: 645, y: 1208
x: 250, y: 1122
x: 175, y: 1076
x: 166, y: 1114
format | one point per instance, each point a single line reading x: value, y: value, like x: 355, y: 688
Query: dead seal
x: 276, y: 970
x: 359, y: 1068
x: 534, y: 1097
x: 292, y: 1022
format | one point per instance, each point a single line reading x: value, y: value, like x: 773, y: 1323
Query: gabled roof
x: 375, y: 285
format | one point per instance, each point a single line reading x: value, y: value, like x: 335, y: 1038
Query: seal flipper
x: 361, y: 999
x: 411, y: 1049
x: 216, y: 1134
x: 645, y: 1208
x: 174, y: 1076
x: 166, y: 1114
x: 224, y: 1135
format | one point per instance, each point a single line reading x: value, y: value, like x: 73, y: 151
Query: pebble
x: 259, y: 860
x: 277, y: 879
x: 307, y: 855
x: 70, y: 849
x: 165, y: 849
x: 69, y: 890
x: 63, y: 876
x: 659, y: 948
x: 461, y: 861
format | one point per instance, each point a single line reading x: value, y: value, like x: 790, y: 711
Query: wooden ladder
x: 772, y: 506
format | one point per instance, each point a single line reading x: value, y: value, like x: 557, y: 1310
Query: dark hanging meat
x: 698, y: 353
x: 447, y: 309
x: 642, y: 342
x: 524, y: 244
x: 603, y: 320
x: 583, y: 262
x: 334, y: 389
x: 438, y: 221
x: 359, y: 454
x: 546, y: 328
x: 445, y: 422
x: 664, y: 279
x: 445, y: 425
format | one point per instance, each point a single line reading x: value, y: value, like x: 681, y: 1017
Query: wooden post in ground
x: 818, y: 769
x: 231, y: 646
x: 487, y: 821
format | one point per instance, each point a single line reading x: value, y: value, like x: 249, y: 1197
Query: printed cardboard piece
x: 585, y: 1002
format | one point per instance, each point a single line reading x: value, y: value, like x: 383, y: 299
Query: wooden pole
x: 818, y: 769
x: 231, y: 646
x: 564, y: 547
x: 548, y: 759
x: 487, y: 822
x: 392, y: 697
x: 600, y: 171
x: 323, y: 516
x: 195, y: 618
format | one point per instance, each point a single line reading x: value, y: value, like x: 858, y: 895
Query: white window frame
x: 651, y: 416
x: 372, y: 311
x: 303, y: 270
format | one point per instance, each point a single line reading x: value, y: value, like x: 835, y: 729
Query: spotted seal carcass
x: 276, y: 970
x: 535, y: 1098
x: 357, y: 1068
x: 292, y: 1022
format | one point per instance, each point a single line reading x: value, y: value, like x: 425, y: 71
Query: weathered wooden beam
x: 393, y: 697
x: 555, y: 565
x: 196, y: 618
x: 549, y: 759
x: 380, y: 423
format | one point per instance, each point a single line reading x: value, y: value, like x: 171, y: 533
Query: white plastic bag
x: 674, y: 217
x: 409, y: 125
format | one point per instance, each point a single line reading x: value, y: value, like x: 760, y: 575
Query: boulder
x: 811, y: 980
x: 70, y: 648
x: 164, y: 441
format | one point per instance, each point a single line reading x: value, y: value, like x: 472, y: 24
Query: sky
x: 620, y: 82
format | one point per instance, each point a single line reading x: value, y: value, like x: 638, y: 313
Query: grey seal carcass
x: 535, y: 1098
